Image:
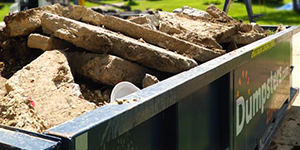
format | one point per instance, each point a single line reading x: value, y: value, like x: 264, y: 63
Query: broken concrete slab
x: 257, y: 28
x: 151, y: 20
x: 251, y: 27
x: 49, y: 83
x: 137, y: 31
x: 219, y: 14
x: 25, y: 22
x: 45, y: 43
x: 246, y: 27
x: 169, y: 29
x: 246, y: 38
x: 199, y: 53
x: 97, y: 39
x: 202, y: 28
x: 81, y: 13
x: 280, y: 27
x: 195, y: 38
x: 149, y: 80
x: 196, y: 13
x: 106, y: 69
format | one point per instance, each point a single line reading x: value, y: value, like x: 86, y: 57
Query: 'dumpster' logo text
x: 247, y: 109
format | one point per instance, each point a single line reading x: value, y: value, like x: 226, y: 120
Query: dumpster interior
x: 57, y: 62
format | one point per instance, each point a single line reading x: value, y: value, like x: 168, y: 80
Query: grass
x: 237, y: 9
x: 4, y: 11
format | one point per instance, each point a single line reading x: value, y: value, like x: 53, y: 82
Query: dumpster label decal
x: 250, y: 107
x: 81, y: 142
x: 260, y: 49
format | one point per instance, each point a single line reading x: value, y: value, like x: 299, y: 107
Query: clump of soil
x: 18, y: 111
x: 99, y: 97
x: 15, y: 54
x: 94, y: 92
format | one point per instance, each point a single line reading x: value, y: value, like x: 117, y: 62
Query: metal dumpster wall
x: 204, y: 117
x: 198, y: 121
x: 261, y: 87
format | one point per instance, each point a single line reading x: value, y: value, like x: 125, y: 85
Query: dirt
x: 18, y: 111
x: 2, y: 82
x: 51, y: 87
x: 15, y: 56
x: 98, y: 96
x: 287, y: 136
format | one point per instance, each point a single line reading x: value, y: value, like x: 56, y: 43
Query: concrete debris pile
x: 211, y: 29
x: 58, y: 62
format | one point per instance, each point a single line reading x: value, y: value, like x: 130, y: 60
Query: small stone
x: 74, y: 106
x: 119, y: 101
x: 149, y: 80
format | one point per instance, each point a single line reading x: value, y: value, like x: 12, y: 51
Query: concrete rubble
x: 137, y: 31
x: 25, y: 22
x: 47, y: 82
x: 149, y: 80
x: 45, y: 43
x: 106, y: 69
x: 219, y: 15
x: 57, y: 62
x: 97, y: 39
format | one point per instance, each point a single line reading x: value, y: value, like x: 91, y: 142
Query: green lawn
x: 237, y: 10
x: 4, y: 11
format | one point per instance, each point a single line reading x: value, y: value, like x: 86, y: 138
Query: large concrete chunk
x: 137, y: 31
x: 195, y: 38
x: 106, y: 69
x: 257, y: 28
x: 246, y: 38
x: 196, y: 13
x: 151, y: 20
x: 25, y: 22
x: 97, y: 39
x: 219, y: 14
x: 200, y: 54
x: 84, y: 14
x: 169, y: 29
x: 45, y: 43
x: 49, y: 83
x: 204, y: 29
